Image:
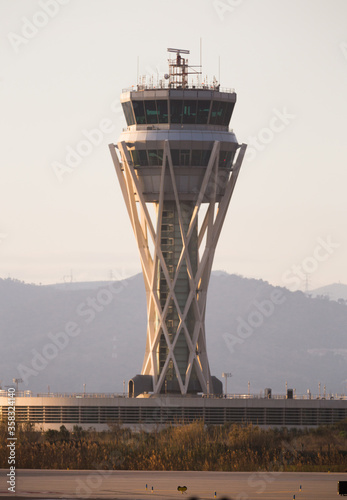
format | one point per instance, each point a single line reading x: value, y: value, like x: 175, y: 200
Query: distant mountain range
x: 64, y: 336
x: 336, y: 291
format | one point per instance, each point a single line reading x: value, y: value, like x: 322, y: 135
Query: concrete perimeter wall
x: 148, y: 413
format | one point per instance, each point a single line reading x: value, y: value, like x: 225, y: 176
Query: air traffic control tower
x: 177, y: 164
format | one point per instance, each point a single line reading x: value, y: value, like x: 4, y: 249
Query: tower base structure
x: 143, y: 385
x: 177, y: 270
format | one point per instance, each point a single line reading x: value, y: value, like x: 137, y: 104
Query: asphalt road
x: 132, y: 485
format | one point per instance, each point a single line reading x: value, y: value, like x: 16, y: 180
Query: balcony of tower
x: 191, y: 121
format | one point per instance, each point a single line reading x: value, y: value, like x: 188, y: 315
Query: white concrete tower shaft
x: 178, y: 154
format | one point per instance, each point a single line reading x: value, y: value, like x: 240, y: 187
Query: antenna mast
x: 179, y: 70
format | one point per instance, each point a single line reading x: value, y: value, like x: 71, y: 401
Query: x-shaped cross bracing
x: 146, y: 231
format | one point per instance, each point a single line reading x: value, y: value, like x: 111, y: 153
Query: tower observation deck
x: 178, y: 154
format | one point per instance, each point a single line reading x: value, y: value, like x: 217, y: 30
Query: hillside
x: 261, y: 334
x: 336, y: 291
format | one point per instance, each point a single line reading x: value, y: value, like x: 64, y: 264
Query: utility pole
x: 17, y: 381
x: 226, y: 376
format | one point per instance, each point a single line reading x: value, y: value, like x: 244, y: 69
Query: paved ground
x: 132, y: 485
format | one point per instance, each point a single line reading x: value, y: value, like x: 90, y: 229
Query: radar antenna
x: 179, y: 69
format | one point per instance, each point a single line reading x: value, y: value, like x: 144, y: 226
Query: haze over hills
x: 336, y: 291
x: 63, y: 336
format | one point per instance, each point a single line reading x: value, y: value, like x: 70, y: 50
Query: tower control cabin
x: 178, y: 155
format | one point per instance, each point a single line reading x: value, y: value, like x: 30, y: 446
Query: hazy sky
x: 63, y: 66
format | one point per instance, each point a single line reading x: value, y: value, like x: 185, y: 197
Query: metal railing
x: 80, y: 395
x: 30, y: 394
x: 165, y: 86
x: 21, y: 394
x: 283, y: 396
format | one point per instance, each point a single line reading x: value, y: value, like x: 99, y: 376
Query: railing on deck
x: 165, y: 86
x: 28, y: 394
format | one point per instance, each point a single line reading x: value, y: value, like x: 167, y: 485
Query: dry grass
x: 184, y: 447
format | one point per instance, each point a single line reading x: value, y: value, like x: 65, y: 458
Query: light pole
x: 226, y: 376
x: 17, y: 381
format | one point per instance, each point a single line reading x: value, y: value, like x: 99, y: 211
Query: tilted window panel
x: 151, y: 112
x: 203, y: 111
x: 225, y: 159
x: 162, y: 109
x: 139, y: 111
x: 128, y: 113
x: 228, y: 112
x: 176, y: 110
x: 221, y: 113
x: 189, y: 111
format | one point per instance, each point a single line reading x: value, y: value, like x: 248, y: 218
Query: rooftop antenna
x: 179, y: 69
x: 219, y: 69
x: 17, y: 381
x: 138, y: 69
x: 226, y: 376
x: 200, y: 59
